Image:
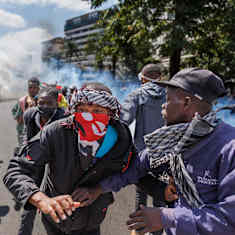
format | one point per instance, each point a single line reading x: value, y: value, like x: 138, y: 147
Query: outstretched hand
x: 86, y: 196
x: 57, y: 207
x: 147, y: 219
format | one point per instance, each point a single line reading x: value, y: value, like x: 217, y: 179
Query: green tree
x: 202, y: 28
x: 71, y: 51
x: 126, y: 38
x: 214, y: 44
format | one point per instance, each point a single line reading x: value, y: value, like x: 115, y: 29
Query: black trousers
x: 52, y: 230
x: 27, y: 221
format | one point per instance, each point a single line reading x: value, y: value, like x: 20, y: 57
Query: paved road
x: 9, y: 219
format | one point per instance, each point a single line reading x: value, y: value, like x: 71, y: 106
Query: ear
x: 187, y: 102
x: 143, y: 81
x: 189, y: 108
x: 188, y: 105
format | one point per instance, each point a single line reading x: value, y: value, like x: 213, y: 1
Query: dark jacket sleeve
x: 129, y: 108
x: 60, y: 113
x: 139, y: 168
x: 25, y: 171
x: 26, y: 118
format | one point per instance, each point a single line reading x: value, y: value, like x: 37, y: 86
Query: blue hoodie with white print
x: 211, y: 165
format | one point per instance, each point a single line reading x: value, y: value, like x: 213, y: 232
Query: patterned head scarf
x: 102, y: 98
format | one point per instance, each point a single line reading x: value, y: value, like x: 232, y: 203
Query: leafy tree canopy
x: 201, y: 28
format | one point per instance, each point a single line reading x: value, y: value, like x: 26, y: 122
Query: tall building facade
x: 53, y: 48
x: 79, y: 31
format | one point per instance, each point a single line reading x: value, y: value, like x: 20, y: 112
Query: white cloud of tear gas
x: 69, y: 4
x: 8, y: 19
x: 20, y: 54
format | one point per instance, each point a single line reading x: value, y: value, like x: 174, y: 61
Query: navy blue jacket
x: 211, y: 165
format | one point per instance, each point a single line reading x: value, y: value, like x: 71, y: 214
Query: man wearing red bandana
x: 78, y: 152
x: 94, y: 129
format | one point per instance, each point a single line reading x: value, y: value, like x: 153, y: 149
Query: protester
x: 227, y: 104
x: 79, y: 151
x: 46, y: 112
x: 23, y: 104
x: 73, y: 96
x: 144, y: 106
x: 18, y: 110
x: 35, y: 119
x: 198, y: 152
x: 62, y: 102
x: 70, y: 93
x: 65, y: 93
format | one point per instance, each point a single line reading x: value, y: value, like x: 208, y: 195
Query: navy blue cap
x: 201, y: 83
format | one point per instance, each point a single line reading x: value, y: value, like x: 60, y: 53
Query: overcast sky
x: 20, y: 15
x: 24, y: 25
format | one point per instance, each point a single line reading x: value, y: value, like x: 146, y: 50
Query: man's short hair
x: 34, y: 80
x: 49, y: 91
x: 152, y: 71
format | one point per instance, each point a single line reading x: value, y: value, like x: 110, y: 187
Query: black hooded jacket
x: 30, y: 126
x: 58, y: 148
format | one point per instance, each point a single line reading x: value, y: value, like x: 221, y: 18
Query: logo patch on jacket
x: 207, y: 179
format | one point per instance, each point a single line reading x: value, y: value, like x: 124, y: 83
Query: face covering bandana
x: 46, y: 112
x: 91, y: 133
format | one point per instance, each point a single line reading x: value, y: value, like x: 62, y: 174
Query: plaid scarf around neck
x: 167, y: 145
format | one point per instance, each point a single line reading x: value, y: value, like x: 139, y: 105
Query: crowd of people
x: 75, y: 148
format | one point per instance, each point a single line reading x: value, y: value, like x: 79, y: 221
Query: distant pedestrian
x: 18, y: 110
x: 72, y: 96
x: 65, y: 93
x: 144, y: 106
x: 23, y: 104
x: 62, y: 101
